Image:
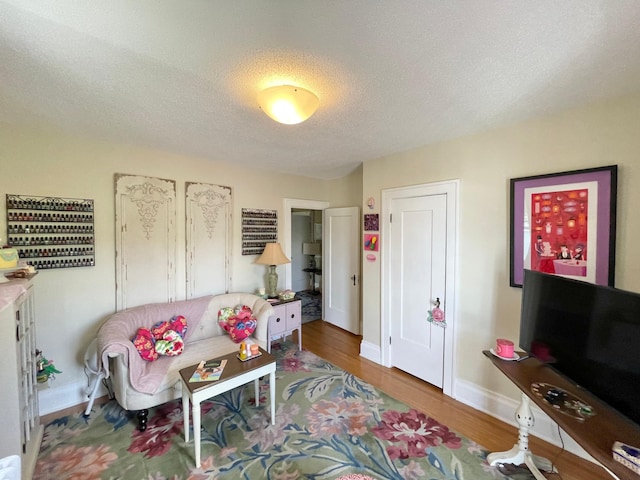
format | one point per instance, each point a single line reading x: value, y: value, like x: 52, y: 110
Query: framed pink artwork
x: 371, y: 242
x: 565, y: 224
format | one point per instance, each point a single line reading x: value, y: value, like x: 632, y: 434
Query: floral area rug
x: 329, y: 424
x: 311, y: 305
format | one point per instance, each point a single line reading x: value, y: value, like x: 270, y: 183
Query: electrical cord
x: 552, y: 474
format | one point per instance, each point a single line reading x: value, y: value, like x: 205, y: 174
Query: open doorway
x: 306, y: 261
x: 303, y: 245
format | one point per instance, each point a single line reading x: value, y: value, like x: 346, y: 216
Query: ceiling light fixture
x: 288, y: 104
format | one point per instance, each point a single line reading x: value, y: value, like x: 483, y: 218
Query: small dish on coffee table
x: 515, y: 355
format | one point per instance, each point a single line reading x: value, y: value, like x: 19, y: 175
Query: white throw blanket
x: 11, y: 291
x: 116, y: 334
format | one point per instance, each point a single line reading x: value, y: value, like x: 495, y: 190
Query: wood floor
x: 342, y: 349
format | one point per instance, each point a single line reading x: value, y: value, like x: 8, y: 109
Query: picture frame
x: 371, y: 222
x: 564, y: 224
x: 371, y: 242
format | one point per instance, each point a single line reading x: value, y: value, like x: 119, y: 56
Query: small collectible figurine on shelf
x: 46, y: 368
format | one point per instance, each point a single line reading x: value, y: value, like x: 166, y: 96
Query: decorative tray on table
x: 250, y: 357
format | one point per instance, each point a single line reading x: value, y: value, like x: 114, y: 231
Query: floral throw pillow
x: 241, y: 328
x: 178, y: 324
x: 164, y: 338
x: 145, y: 344
x: 224, y: 314
x: 171, y: 344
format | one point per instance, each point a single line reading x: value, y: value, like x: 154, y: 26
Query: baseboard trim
x: 52, y: 400
x: 499, y: 406
x: 371, y: 351
x: 503, y: 408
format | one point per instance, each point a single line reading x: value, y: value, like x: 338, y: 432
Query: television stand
x: 596, y: 433
x: 520, y: 453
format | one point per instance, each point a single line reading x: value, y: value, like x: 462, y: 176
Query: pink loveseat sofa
x: 138, y: 384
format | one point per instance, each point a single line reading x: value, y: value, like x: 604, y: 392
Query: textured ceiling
x: 182, y: 76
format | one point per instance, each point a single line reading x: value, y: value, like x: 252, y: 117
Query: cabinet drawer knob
x: 278, y: 319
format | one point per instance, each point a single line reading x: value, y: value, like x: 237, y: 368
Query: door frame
x: 288, y: 205
x: 452, y: 189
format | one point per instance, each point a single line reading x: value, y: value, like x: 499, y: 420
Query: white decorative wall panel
x: 145, y: 240
x: 209, y: 230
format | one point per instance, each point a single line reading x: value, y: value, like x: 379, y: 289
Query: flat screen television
x: 589, y: 333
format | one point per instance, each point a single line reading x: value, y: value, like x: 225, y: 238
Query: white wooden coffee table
x: 235, y: 374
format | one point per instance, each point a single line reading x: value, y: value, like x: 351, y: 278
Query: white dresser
x: 287, y: 317
x: 19, y: 417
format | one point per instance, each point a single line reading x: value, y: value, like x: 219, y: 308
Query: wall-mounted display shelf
x: 51, y: 232
x: 259, y: 227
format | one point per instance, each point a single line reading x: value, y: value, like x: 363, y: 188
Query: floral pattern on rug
x: 329, y: 424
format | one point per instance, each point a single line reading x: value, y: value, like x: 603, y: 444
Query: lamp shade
x: 273, y: 255
x: 311, y: 249
x: 288, y: 104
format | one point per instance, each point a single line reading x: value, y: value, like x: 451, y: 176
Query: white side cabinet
x: 287, y: 317
x: 19, y: 417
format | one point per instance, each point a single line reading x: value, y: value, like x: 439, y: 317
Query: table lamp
x: 311, y: 249
x: 272, y: 256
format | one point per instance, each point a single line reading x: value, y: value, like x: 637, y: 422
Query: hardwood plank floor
x: 343, y: 349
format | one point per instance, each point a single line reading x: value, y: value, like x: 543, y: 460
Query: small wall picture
x: 371, y: 242
x: 371, y: 222
x: 259, y: 227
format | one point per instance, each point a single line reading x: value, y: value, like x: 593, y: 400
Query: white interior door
x: 417, y: 277
x: 341, y: 267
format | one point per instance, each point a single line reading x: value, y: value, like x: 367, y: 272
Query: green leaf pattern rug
x: 328, y: 424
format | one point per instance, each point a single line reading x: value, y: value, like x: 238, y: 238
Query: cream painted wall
x: 487, y: 307
x: 71, y: 303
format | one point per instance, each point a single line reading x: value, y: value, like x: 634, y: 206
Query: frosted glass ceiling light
x: 288, y: 104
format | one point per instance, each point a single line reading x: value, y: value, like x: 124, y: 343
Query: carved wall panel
x: 145, y: 240
x: 209, y: 230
